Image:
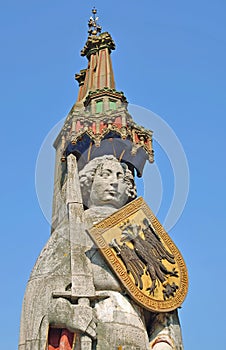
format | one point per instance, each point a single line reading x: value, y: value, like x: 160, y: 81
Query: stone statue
x: 110, y: 319
x: 73, y: 299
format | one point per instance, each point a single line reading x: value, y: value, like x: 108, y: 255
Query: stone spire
x: 99, y: 122
x: 99, y: 73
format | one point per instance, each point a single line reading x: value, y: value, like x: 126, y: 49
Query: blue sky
x: 170, y: 59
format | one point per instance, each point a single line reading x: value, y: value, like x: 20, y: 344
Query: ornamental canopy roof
x: 99, y: 122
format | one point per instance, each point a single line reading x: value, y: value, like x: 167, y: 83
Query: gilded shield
x: 143, y: 256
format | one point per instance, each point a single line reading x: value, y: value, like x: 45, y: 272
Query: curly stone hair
x: 87, y: 174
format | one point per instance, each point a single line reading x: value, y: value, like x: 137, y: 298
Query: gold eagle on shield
x: 144, y: 255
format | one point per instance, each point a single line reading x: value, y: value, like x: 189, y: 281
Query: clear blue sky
x: 170, y: 59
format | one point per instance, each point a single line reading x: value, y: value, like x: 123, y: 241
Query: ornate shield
x: 143, y: 256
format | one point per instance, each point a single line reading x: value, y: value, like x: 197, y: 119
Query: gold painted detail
x: 100, y: 93
x: 96, y: 40
x: 140, y: 137
x: 143, y: 257
x: 95, y: 43
x: 94, y: 27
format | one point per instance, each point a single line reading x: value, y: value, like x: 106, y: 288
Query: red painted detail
x: 66, y: 340
x: 99, y: 69
x: 60, y: 339
x: 102, y: 73
x: 92, y: 70
x: 94, y: 127
x: 78, y: 126
x: 118, y: 122
x: 80, y: 93
x: 136, y: 138
x: 106, y: 70
x: 160, y: 340
x: 102, y: 126
x: 112, y: 83
x: 86, y: 80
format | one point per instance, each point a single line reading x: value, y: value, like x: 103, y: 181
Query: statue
x: 51, y: 319
x: 75, y: 299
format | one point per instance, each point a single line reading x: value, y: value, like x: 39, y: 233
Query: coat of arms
x: 143, y: 256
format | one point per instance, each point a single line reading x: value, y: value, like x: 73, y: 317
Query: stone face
x: 106, y: 183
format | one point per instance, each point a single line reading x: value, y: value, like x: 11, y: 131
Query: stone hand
x: 73, y: 317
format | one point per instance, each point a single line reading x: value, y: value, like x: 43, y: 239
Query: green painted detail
x: 112, y: 105
x: 99, y: 106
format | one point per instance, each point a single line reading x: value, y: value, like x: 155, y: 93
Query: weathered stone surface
x: 50, y: 273
x: 166, y: 329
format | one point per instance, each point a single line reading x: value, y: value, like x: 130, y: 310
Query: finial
x: 94, y: 28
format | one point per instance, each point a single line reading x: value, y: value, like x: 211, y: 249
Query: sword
x: 82, y: 286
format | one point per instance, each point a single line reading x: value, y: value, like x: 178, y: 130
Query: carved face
x: 109, y: 187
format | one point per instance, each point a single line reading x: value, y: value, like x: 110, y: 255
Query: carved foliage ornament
x: 143, y: 256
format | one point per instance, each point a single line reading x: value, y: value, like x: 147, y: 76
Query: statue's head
x: 106, y: 182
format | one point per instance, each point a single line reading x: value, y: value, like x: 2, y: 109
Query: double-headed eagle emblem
x: 146, y: 256
x: 143, y: 256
